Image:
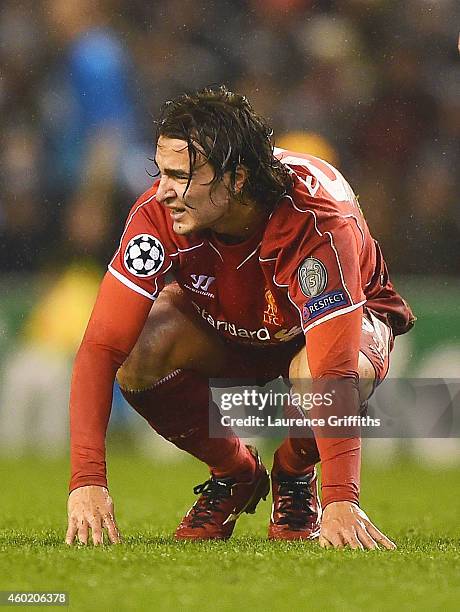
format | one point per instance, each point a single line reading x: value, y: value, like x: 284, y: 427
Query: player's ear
x: 241, y: 175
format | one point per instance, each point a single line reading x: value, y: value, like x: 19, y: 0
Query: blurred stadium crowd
x: 370, y: 85
x: 82, y: 80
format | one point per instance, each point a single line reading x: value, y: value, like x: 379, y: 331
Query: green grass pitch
x: 418, y: 508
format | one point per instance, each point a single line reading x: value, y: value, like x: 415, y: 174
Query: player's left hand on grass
x: 91, y: 508
x: 345, y: 524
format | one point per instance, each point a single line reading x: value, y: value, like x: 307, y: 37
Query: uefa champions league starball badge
x: 144, y: 255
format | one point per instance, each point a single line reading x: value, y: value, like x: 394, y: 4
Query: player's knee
x: 153, y: 355
x: 299, y: 372
x: 298, y: 367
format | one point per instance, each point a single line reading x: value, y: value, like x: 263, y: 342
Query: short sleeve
x: 141, y: 261
x: 325, y: 280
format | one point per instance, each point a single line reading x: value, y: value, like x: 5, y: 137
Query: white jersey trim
x: 351, y: 216
x: 195, y: 246
x: 215, y: 249
x: 334, y: 314
x: 133, y: 286
x: 249, y: 256
x: 307, y: 210
x: 340, y: 267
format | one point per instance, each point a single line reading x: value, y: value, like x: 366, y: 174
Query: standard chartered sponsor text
x: 255, y: 335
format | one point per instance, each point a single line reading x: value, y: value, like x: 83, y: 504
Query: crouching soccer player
x: 247, y: 231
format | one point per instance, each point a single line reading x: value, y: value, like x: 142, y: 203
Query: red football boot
x: 222, y: 501
x: 296, y: 511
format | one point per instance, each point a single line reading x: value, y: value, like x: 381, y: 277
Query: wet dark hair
x: 224, y: 126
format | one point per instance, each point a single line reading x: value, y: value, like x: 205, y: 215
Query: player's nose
x: 165, y: 190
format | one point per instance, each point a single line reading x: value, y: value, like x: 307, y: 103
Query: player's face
x: 197, y: 208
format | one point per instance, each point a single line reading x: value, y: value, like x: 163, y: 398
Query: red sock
x: 178, y: 407
x: 296, y: 456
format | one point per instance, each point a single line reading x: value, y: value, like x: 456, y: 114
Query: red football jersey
x: 314, y: 260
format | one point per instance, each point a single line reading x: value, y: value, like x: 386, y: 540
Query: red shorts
x: 267, y: 363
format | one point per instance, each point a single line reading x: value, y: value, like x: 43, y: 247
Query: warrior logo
x: 201, y: 281
x: 312, y: 276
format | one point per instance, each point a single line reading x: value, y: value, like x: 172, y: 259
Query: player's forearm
x: 117, y: 319
x: 90, y: 403
x: 340, y: 455
x: 332, y: 350
x: 340, y: 469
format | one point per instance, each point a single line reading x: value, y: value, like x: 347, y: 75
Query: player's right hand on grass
x: 345, y: 524
x: 91, y: 508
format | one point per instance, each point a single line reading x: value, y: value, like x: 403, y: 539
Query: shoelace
x: 294, y: 504
x: 213, y: 493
